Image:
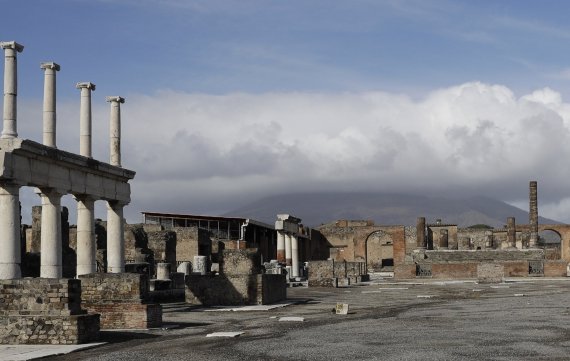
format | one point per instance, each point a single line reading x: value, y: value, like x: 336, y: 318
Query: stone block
x: 490, y: 273
x: 240, y: 262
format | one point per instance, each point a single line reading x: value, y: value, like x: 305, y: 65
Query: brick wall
x: 240, y: 262
x: 121, y: 299
x: 555, y: 268
x: 44, y: 311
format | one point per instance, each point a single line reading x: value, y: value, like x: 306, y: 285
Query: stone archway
x: 379, y: 251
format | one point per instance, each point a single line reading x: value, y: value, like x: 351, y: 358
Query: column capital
x: 115, y: 98
x: 12, y: 45
x: 50, y: 65
x: 86, y: 84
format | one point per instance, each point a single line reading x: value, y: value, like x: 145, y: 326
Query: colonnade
x: 51, y: 191
x: 288, y: 242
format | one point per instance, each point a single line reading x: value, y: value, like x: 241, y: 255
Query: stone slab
x: 224, y: 334
x: 292, y: 319
x: 31, y: 352
x: 248, y: 308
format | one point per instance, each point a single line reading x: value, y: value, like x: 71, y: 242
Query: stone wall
x: 44, y: 311
x: 163, y: 245
x: 240, y: 262
x: 121, y: 298
x: 235, y: 290
x: 331, y: 273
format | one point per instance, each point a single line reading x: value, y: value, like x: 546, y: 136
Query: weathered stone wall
x: 187, y: 243
x: 235, y: 290
x: 331, y: 273
x: 555, y: 268
x: 490, y: 272
x: 120, y: 298
x: 434, y: 235
x: 240, y: 262
x: 44, y: 311
x: 480, y: 255
x: 163, y: 245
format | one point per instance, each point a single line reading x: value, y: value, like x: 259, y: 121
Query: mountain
x: 389, y: 209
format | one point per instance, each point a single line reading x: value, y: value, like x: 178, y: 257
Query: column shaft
x: 51, y: 250
x: 85, y: 118
x: 115, y: 238
x: 288, y: 249
x: 294, y: 256
x: 511, y: 232
x: 280, y: 247
x: 86, y: 245
x: 421, y: 233
x: 11, y: 49
x: 115, y: 130
x: 49, y: 115
x: 533, y: 214
x: 10, y: 254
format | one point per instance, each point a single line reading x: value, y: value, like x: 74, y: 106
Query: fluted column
x: 11, y: 50
x: 294, y: 256
x: 115, y: 238
x: 280, y: 246
x: 115, y: 129
x: 86, y: 245
x: 85, y: 118
x: 10, y: 253
x: 288, y: 239
x: 51, y: 249
x: 49, y: 131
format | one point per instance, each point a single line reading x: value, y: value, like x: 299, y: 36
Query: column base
x: 86, y: 269
x: 50, y: 271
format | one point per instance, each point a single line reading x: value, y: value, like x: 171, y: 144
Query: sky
x: 231, y: 101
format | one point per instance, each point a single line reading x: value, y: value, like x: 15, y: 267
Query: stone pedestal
x: 200, y: 265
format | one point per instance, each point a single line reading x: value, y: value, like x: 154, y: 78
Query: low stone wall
x: 225, y: 290
x: 121, y: 298
x: 240, y: 262
x: 44, y: 311
x: 480, y: 255
x: 332, y: 273
x: 555, y: 268
x: 490, y: 273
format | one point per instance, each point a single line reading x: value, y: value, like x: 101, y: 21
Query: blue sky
x: 226, y: 98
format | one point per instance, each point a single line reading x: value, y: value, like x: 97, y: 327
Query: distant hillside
x: 318, y: 208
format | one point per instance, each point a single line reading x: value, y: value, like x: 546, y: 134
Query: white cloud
x: 210, y: 153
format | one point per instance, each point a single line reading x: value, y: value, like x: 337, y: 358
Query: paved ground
x: 387, y: 321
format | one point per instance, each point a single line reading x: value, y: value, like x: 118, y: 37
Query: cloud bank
x: 200, y: 153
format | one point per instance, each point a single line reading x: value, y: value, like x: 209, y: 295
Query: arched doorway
x: 551, y: 242
x: 379, y: 252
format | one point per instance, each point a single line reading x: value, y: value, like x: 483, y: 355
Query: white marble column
x: 280, y: 247
x: 50, y: 70
x: 294, y: 256
x: 115, y: 129
x: 51, y: 249
x: 288, y: 249
x: 115, y: 238
x: 85, y: 118
x: 86, y: 245
x: 10, y: 254
x: 11, y: 50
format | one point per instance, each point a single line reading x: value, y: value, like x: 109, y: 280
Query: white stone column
x: 86, y: 245
x: 280, y: 247
x: 11, y: 50
x: 85, y: 118
x: 294, y: 256
x: 115, y: 238
x: 288, y: 238
x: 115, y: 129
x: 51, y: 249
x: 10, y: 254
x: 50, y: 70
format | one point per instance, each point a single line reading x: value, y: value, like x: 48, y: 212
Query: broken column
x: 443, y: 239
x: 511, y: 232
x: 11, y: 50
x: 280, y: 246
x: 85, y: 118
x: 421, y: 233
x: 51, y: 249
x: 115, y: 129
x: 10, y: 257
x: 533, y: 215
x: 200, y: 265
x: 115, y: 238
x: 49, y: 114
x: 86, y: 246
x: 288, y: 241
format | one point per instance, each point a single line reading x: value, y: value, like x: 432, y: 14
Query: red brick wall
x: 555, y: 269
x: 454, y: 270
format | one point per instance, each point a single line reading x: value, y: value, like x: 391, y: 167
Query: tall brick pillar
x: 533, y: 214
x: 511, y: 232
x: 421, y: 233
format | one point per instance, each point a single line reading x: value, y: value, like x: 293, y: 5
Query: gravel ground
x: 387, y: 321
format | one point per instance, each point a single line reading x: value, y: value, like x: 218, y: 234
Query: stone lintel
x: 29, y: 163
x: 50, y: 65
x: 86, y: 84
x: 117, y: 99
x: 12, y: 45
